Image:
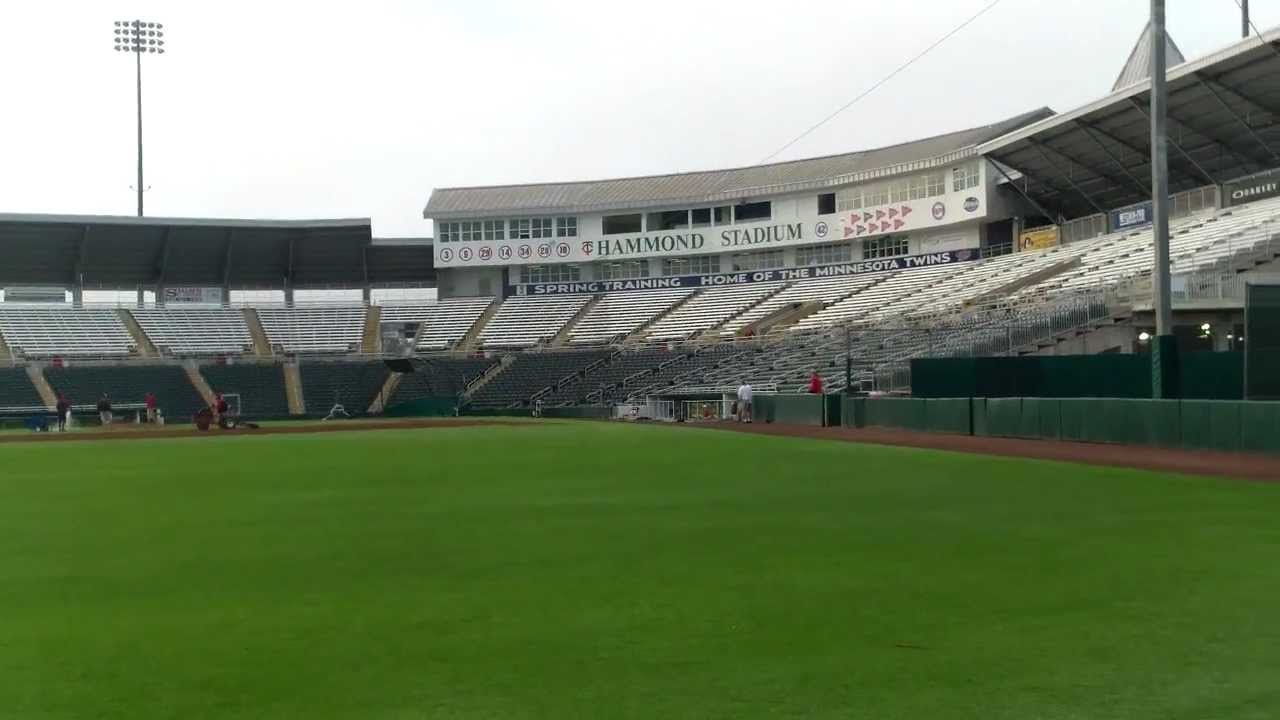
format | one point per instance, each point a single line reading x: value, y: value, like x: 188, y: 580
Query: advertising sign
x: 1039, y: 239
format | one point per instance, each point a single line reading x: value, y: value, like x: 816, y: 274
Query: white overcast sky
x: 292, y: 109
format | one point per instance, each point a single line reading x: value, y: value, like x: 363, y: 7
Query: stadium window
x: 874, y: 195
x: 495, y: 230
x: 826, y: 203
x: 698, y: 265
x: 668, y: 220
x: 700, y: 217
x: 520, y: 229
x: 471, y: 231
x: 449, y: 232
x: 824, y: 254
x: 885, y: 247
x: 540, y: 227
x: 566, y: 227
x: 899, y: 191
x: 752, y: 212
x: 625, y: 270
x: 552, y: 273
x: 758, y: 261
x: 849, y: 199
x: 964, y: 177
x: 621, y: 224
x: 935, y: 184
x: 723, y: 215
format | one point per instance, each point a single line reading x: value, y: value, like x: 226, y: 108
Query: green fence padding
x: 1004, y: 417
x: 978, y: 407
x: 1262, y: 330
x: 1224, y: 425
x: 1194, y: 422
x: 580, y: 412
x: 1212, y: 375
x: 948, y: 415
x: 1050, y: 427
x: 855, y: 412
x: 1163, y: 423
x: 833, y: 406
x: 1260, y: 427
x: 424, y: 407
x: 1073, y: 419
x: 902, y: 413
x: 943, y: 378
x: 790, y: 409
x: 1029, y: 419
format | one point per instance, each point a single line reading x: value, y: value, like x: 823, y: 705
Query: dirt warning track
x: 1190, y: 462
x: 137, y: 432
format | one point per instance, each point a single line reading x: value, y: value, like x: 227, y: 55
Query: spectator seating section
x: 62, y: 331
x: 319, y: 329
x: 196, y: 331
x: 524, y: 321
x: 603, y: 378
x: 16, y: 391
x: 260, y: 387
x: 530, y: 373
x: 622, y: 313
x: 450, y: 321
x: 820, y: 290
x: 353, y: 385
x: 709, y: 308
x: 861, y: 305
x: 440, y: 377
x: 83, y: 385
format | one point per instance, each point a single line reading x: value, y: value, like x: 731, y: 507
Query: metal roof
x: 124, y: 252
x: 719, y: 185
x: 1224, y: 123
x: 1138, y: 66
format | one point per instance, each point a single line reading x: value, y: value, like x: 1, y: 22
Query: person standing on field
x: 64, y: 409
x: 104, y: 409
x: 744, y: 402
x: 151, y: 407
x: 815, y: 384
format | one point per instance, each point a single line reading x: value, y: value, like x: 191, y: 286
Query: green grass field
x: 600, y: 571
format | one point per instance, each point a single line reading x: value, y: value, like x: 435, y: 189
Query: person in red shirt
x: 150, y: 401
x: 815, y: 384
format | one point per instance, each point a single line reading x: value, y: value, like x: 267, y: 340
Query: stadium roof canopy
x: 100, y: 251
x: 720, y: 185
x: 1224, y: 123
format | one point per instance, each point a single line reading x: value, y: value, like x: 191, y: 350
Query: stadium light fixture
x: 1206, y: 327
x: 140, y: 38
x: 1144, y: 336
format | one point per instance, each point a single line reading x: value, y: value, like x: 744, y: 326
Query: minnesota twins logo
x: 939, y: 211
x: 820, y: 229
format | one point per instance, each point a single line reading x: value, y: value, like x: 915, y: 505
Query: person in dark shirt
x: 64, y: 409
x: 104, y: 409
x: 220, y: 411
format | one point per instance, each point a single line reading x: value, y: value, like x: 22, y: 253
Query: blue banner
x: 1131, y: 217
x: 696, y: 282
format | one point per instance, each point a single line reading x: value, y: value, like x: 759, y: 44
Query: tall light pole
x: 1164, y: 355
x: 1244, y: 19
x: 138, y: 37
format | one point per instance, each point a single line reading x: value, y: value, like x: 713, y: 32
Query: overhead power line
x: 882, y: 81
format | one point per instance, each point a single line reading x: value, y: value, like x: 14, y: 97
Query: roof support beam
x: 1204, y: 173
x: 1137, y: 184
x: 226, y: 260
x: 1040, y: 147
x: 1244, y: 96
x: 1145, y: 152
x: 161, y: 265
x: 77, y: 281
x: 1248, y: 128
x: 1013, y: 183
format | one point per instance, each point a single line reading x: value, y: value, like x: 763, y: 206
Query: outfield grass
x: 592, y: 570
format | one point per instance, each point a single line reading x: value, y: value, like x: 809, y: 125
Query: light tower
x: 138, y: 37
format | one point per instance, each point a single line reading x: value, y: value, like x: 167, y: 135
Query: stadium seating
x: 176, y: 397
x: 260, y: 387
x: 622, y: 313
x: 870, y: 302
x: 525, y: 321
x: 440, y: 377
x: 319, y: 329
x: 819, y: 290
x: 16, y: 391
x: 195, y: 331
x: 603, y: 378
x: 444, y: 323
x: 35, y: 331
x: 531, y: 373
x: 709, y: 308
x: 354, y: 385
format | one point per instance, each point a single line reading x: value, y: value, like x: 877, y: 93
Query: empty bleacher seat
x: 260, y: 387
x: 353, y: 385
x: 440, y: 377
x: 319, y: 329
x: 444, y: 323
x: 525, y: 321
x: 530, y: 373
x: 36, y: 331
x: 709, y: 308
x: 196, y: 331
x: 176, y: 397
x: 16, y: 391
x: 622, y: 313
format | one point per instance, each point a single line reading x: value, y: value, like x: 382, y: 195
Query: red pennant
x: 906, y: 210
x: 866, y: 216
x: 893, y: 212
x: 861, y: 229
x: 879, y: 214
x: 897, y: 224
x: 872, y: 227
x: 848, y: 230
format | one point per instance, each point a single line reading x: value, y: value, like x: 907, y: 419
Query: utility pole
x: 138, y: 37
x: 1244, y: 19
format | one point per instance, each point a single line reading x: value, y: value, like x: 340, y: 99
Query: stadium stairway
x: 637, y: 336
x: 782, y: 317
x: 145, y: 347
x: 198, y: 381
x: 388, y: 389
x: 293, y: 389
x: 713, y: 333
x: 4, y: 350
x: 372, y: 340
x: 261, y: 345
x: 561, y: 338
x: 483, y: 380
x: 468, y: 341
x: 47, y: 395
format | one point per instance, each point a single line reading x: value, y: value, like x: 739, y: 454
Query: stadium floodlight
x: 140, y: 38
x: 1144, y: 336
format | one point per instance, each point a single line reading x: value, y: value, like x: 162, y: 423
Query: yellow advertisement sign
x: 1039, y: 238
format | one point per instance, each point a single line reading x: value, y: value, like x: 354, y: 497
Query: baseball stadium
x: 891, y: 433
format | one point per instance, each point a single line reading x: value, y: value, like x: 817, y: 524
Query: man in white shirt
x: 744, y: 402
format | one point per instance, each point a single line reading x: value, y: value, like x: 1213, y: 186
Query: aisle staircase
x: 145, y: 347
x: 371, y: 343
x: 47, y: 395
x: 198, y: 381
x: 261, y: 345
x: 293, y: 389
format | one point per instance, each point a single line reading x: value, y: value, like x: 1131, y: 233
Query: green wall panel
x: 949, y: 415
x: 1004, y: 416
x: 1260, y: 427
x: 1194, y: 422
